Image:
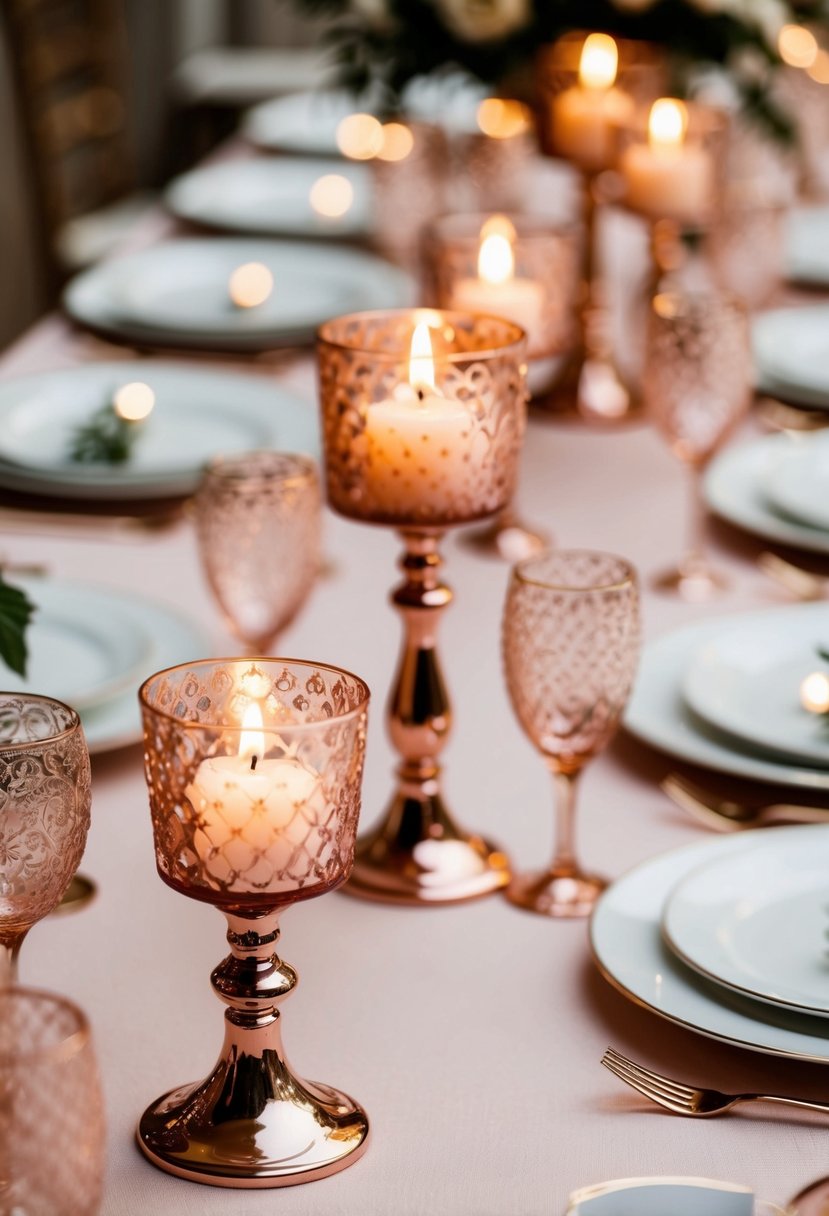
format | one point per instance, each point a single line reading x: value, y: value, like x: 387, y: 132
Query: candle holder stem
x: 418, y: 854
x: 253, y: 1122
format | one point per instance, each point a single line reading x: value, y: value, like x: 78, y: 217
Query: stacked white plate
x: 197, y: 414
x: 725, y: 694
x: 728, y: 937
x: 791, y: 346
x: 177, y: 293
x: 776, y: 487
x: 92, y: 647
x: 807, y: 246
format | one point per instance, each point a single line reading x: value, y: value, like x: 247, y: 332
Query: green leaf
x: 15, y: 613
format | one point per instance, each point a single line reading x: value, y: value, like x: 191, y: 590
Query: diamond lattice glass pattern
x: 381, y: 475
x: 51, y: 1110
x: 571, y: 645
x: 254, y: 812
x: 44, y: 806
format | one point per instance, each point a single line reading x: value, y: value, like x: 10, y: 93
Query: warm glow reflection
x: 814, y: 693
x: 421, y: 362
x: 819, y: 70
x: 332, y: 195
x: 599, y: 62
x: 252, y: 738
x: 502, y: 118
x: 360, y: 136
x: 396, y: 143
x: 496, y: 263
x: 250, y: 285
x: 133, y: 402
x: 498, y: 225
x: 667, y: 123
x: 797, y: 46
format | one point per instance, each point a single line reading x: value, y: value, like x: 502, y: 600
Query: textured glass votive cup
x: 542, y: 292
x: 45, y: 798
x: 258, y: 520
x: 51, y: 1109
x: 747, y: 245
x: 409, y: 191
x: 492, y: 172
x: 254, y: 771
x: 413, y: 457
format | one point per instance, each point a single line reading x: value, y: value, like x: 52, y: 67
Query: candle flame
x: 599, y: 62
x: 360, y: 136
x: 814, y: 693
x: 502, y: 118
x: 797, y: 46
x: 331, y: 195
x: 252, y: 738
x: 250, y: 285
x: 500, y: 225
x: 819, y: 70
x: 396, y: 141
x: 667, y: 123
x: 421, y: 361
x: 496, y: 263
x: 134, y: 402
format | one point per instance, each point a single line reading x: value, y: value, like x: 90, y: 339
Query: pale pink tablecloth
x: 472, y: 1034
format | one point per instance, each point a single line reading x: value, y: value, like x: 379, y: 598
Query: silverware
x: 19, y: 520
x: 803, y: 584
x: 691, y: 1100
x: 726, y: 815
x: 781, y: 417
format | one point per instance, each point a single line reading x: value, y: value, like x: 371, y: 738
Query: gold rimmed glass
x: 570, y: 646
x: 697, y: 389
x: 254, y: 770
x: 52, y: 1132
x: 423, y: 416
x: 258, y: 523
x: 45, y: 798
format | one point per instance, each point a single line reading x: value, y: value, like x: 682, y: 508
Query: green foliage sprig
x: 15, y: 614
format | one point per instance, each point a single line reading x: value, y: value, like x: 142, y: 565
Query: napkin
x: 662, y: 1197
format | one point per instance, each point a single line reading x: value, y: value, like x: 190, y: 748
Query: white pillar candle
x: 669, y: 178
x: 496, y: 290
x: 258, y: 820
x: 585, y: 117
x: 423, y: 451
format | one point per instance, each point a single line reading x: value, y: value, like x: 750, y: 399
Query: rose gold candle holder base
x: 814, y: 1201
x: 507, y: 538
x: 252, y: 1123
x: 694, y: 585
x: 561, y: 895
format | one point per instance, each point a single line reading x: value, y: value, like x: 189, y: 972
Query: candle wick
x: 253, y: 762
x: 421, y: 395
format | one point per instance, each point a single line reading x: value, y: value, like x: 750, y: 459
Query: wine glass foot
x: 509, y: 539
x: 813, y: 1201
x: 434, y: 870
x: 694, y: 584
x: 560, y: 895
x: 78, y: 894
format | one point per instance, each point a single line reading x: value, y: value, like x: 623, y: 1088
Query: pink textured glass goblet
x: 258, y: 520
x: 571, y: 646
x: 254, y: 772
x: 44, y: 813
x: 51, y: 1107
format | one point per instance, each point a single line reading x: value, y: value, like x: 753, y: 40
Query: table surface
x: 472, y: 1034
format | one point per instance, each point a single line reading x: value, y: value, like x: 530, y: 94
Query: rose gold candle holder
x: 421, y: 444
x: 409, y: 174
x: 254, y: 769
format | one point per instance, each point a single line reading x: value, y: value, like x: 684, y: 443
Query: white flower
x: 484, y: 20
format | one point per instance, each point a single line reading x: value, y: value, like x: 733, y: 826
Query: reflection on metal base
x: 81, y: 891
x: 814, y: 1201
x: 563, y: 895
x: 508, y: 538
x: 693, y: 583
x: 419, y: 856
x: 253, y: 1123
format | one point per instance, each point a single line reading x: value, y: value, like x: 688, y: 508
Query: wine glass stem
x: 564, y: 855
x: 9, y: 950
x: 695, y: 560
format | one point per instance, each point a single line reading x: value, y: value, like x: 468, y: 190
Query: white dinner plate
x: 177, y: 292
x: 735, y: 489
x: 273, y: 197
x: 657, y: 713
x: 798, y: 485
x: 197, y: 415
x: 745, y: 680
x: 756, y: 921
x: 83, y: 648
x: 807, y: 246
x: 627, y: 944
x: 791, y: 354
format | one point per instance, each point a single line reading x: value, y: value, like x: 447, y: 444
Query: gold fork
x: 726, y: 815
x: 802, y: 584
x: 687, y: 1099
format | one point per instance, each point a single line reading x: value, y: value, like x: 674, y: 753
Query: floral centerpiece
x: 497, y: 40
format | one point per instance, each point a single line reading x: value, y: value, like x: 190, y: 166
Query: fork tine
x: 681, y: 1091
x: 654, y: 1085
x: 640, y: 1086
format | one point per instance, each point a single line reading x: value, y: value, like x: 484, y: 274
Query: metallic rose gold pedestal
x: 814, y: 1201
x: 557, y: 894
x: 252, y: 1122
x: 418, y: 855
